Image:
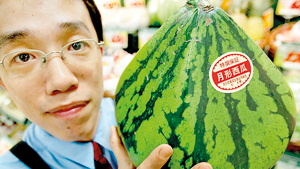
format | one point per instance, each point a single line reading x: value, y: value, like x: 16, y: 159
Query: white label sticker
x: 116, y: 38
x: 231, y: 72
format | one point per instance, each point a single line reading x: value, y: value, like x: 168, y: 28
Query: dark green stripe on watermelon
x: 165, y: 96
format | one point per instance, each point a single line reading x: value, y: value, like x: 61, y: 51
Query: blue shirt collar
x: 65, y: 153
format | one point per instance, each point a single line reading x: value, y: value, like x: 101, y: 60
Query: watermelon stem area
x: 205, y: 5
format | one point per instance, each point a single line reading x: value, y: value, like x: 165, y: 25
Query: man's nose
x: 59, y: 78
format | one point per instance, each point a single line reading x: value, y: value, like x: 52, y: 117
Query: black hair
x: 95, y: 17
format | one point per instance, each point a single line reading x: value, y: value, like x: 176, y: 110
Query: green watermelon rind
x: 166, y: 83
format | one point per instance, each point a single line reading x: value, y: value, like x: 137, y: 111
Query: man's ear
x: 101, y: 49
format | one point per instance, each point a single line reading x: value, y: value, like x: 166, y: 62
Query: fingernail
x: 165, y: 152
x: 204, y: 167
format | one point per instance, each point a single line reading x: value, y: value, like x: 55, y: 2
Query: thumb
x: 158, y: 157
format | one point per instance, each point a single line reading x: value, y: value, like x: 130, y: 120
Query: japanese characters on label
x: 231, y: 72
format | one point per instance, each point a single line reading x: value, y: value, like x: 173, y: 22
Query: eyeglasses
x: 25, y: 62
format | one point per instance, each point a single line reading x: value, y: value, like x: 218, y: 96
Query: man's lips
x: 69, y: 110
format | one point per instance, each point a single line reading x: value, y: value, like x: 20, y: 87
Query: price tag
x: 288, y: 56
x: 116, y: 38
x: 135, y: 3
x: 108, y: 4
x: 288, y: 8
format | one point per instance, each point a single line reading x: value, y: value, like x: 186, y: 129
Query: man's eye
x: 22, y: 58
x: 77, y: 45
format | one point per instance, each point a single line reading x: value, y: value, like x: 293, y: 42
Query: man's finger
x: 157, y: 158
x: 203, y: 165
x: 123, y: 160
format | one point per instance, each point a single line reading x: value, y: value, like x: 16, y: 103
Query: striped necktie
x: 100, y: 161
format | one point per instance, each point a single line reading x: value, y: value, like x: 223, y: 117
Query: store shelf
x: 14, y: 115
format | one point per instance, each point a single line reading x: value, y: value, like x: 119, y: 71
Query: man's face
x: 64, y: 99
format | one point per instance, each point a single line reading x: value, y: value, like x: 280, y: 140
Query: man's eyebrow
x: 13, y: 36
x: 21, y: 34
x: 74, y: 26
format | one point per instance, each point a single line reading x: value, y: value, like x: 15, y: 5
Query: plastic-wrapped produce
x: 128, y: 15
x: 161, y: 10
x: 109, y: 12
x: 288, y: 8
x: 133, y: 18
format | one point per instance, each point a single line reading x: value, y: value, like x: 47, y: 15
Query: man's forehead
x: 38, y: 5
x: 18, y: 13
x: 29, y: 21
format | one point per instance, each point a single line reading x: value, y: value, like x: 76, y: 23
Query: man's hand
x: 158, y: 157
